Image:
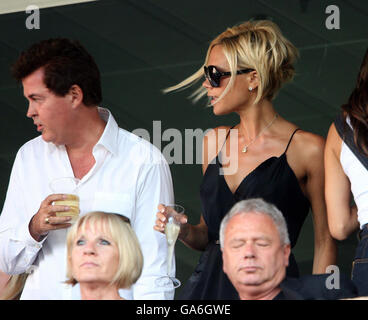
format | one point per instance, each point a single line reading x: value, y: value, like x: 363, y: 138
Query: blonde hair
x: 130, y: 254
x: 14, y: 287
x: 257, y: 45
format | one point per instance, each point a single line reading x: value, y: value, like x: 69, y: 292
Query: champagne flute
x: 174, y: 213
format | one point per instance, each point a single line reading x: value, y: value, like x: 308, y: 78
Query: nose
x: 206, y: 83
x: 89, y: 249
x: 249, y: 251
x: 31, y: 112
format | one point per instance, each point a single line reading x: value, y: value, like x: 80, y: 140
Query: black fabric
x: 359, y: 273
x: 347, y: 135
x: 275, y: 182
x: 314, y: 287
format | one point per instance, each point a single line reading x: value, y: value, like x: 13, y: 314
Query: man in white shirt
x: 118, y: 171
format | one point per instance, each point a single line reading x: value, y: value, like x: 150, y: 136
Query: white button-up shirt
x: 130, y: 177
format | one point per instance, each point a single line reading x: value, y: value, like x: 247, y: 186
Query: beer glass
x: 68, y: 186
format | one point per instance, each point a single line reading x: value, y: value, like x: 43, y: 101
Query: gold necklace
x: 245, y: 148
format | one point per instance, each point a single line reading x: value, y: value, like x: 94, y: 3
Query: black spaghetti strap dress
x: 275, y: 182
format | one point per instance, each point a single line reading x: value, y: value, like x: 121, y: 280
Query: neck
x: 255, y: 118
x: 87, y: 130
x: 99, y: 291
x: 265, y: 291
x: 264, y: 295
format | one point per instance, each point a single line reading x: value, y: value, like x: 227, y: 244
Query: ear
x: 76, y: 95
x: 287, y: 251
x: 224, y: 261
x: 253, y: 80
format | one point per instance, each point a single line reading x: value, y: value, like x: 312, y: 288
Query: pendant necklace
x: 245, y: 148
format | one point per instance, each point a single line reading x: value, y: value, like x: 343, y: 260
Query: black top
x: 317, y: 287
x: 275, y: 182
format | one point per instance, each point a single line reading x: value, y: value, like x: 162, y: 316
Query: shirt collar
x: 109, y: 138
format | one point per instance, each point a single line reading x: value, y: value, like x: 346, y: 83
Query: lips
x: 89, y: 264
x: 249, y: 269
x: 39, y: 126
x: 213, y: 99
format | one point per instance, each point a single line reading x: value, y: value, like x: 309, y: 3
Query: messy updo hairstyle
x: 257, y: 45
x: 357, y: 108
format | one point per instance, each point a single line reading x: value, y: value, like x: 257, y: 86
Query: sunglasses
x: 214, y: 76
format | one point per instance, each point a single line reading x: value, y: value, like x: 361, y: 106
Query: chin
x: 90, y: 279
x: 223, y: 108
x: 46, y: 137
x: 219, y: 111
x: 250, y: 279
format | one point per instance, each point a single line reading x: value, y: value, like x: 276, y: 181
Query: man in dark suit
x: 255, y: 249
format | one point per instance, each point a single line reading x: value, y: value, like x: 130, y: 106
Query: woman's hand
x: 162, y: 219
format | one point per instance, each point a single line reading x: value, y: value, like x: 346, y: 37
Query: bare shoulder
x: 213, y: 134
x: 212, y: 143
x: 309, y: 144
x: 214, y: 138
x: 307, y: 152
x: 333, y: 138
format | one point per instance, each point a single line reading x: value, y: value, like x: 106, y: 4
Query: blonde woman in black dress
x: 244, y: 68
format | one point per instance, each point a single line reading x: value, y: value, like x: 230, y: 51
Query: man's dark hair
x: 66, y: 63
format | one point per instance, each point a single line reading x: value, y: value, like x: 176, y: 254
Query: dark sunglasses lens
x: 213, y: 76
x: 207, y: 75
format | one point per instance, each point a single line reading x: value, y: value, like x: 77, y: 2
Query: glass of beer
x: 174, y: 213
x: 67, y: 186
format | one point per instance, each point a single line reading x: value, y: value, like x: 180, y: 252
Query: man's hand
x: 45, y: 219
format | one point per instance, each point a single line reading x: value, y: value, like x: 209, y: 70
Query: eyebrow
x: 34, y: 95
x: 263, y: 238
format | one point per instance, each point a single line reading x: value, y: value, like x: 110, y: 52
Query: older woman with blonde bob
x: 244, y: 69
x: 103, y: 255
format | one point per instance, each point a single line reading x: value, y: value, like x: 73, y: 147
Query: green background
x: 144, y: 46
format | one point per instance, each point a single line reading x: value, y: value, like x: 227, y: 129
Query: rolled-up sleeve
x: 154, y: 187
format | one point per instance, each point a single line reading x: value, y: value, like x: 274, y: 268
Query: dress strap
x: 287, y: 147
x: 226, y: 137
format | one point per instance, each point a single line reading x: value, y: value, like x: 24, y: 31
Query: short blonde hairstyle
x: 257, y: 45
x: 130, y: 254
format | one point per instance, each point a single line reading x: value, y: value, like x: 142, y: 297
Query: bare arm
x: 325, y: 250
x: 342, y: 219
x: 195, y: 236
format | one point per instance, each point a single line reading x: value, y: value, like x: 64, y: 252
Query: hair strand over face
x: 257, y: 45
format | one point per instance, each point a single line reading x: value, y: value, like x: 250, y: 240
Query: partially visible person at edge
x: 244, y: 68
x: 255, y: 248
x: 118, y: 171
x: 103, y: 255
x: 346, y: 174
x: 13, y: 287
